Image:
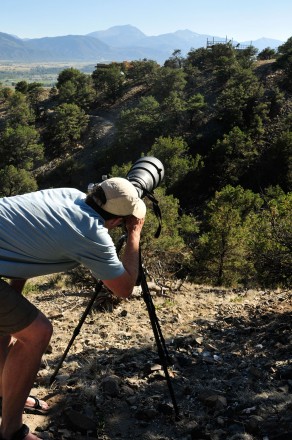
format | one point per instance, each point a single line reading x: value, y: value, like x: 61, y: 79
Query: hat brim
x: 139, y: 209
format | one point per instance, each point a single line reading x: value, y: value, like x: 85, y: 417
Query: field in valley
x: 46, y: 73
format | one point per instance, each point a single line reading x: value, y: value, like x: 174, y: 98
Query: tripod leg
x: 160, y: 342
x: 90, y: 304
x: 77, y: 330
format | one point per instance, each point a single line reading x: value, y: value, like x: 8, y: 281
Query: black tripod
x: 159, y: 339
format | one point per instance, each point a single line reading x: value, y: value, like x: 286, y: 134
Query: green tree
x: 195, y: 106
x: 174, y: 154
x: 284, y: 62
x: 222, y: 61
x: 246, y: 57
x: 142, y: 72
x: 20, y: 146
x: 5, y: 93
x: 271, y: 243
x: 167, y: 254
x: 19, y: 111
x: 35, y: 95
x: 141, y: 123
x: 75, y: 87
x: 109, y: 81
x: 267, y: 54
x: 120, y: 170
x: 195, y: 80
x: 241, y: 101
x: 173, y: 110
x: 15, y: 181
x: 21, y: 87
x: 175, y: 61
x: 34, y: 91
x: 275, y: 101
x: 221, y: 256
x: 65, y: 128
x: 199, y: 58
x: 167, y: 81
x: 233, y: 156
x: 276, y: 162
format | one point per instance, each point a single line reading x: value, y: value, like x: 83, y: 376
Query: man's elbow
x: 124, y: 292
x: 120, y: 287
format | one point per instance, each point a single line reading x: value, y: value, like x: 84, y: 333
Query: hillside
x: 230, y: 370
x: 222, y: 133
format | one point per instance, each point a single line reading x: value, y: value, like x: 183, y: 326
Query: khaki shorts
x: 16, y: 312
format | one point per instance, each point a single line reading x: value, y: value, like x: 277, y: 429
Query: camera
x: 146, y: 174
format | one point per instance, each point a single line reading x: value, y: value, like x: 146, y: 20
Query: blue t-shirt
x: 51, y: 231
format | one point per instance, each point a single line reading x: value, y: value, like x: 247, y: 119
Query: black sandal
x: 36, y: 407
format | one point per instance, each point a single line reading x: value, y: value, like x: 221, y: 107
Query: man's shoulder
x: 63, y: 192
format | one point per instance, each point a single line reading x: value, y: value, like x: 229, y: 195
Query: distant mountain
x: 13, y: 48
x: 70, y: 47
x: 263, y: 43
x: 117, y: 43
x: 123, y: 36
x: 67, y: 48
x: 184, y: 40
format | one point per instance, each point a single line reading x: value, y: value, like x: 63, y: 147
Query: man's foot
x: 21, y: 434
x: 33, y: 403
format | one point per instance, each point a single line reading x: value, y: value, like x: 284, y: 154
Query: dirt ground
x: 230, y: 371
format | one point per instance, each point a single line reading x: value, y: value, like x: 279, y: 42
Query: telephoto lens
x: 146, y: 174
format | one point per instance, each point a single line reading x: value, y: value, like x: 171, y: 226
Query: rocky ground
x: 230, y: 371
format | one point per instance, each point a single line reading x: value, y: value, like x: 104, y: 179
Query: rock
x: 212, y: 399
x: 166, y: 408
x: 79, y: 421
x: 255, y: 372
x: 285, y: 372
x: 131, y: 400
x: 253, y: 424
x: 199, y: 433
x: 111, y: 385
x: 235, y: 428
x: 284, y: 436
x: 146, y: 414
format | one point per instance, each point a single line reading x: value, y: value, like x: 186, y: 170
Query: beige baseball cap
x: 122, y: 198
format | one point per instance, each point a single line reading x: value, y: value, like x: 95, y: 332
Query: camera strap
x: 156, y: 210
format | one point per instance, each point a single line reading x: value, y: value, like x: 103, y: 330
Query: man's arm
x: 123, y: 285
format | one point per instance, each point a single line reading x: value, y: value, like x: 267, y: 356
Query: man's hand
x: 123, y: 285
x: 133, y: 224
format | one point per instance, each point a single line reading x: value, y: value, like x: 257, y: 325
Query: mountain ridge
x: 118, y: 43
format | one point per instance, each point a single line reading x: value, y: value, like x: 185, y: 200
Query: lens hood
x: 146, y: 174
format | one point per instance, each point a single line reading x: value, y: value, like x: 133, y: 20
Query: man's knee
x: 46, y: 327
x: 38, y: 332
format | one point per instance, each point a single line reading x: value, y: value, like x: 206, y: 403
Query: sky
x: 246, y: 20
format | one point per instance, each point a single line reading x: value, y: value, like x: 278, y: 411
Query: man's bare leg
x: 5, y: 343
x: 19, y: 371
